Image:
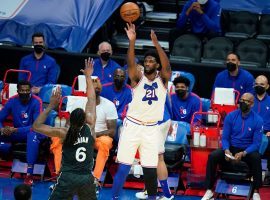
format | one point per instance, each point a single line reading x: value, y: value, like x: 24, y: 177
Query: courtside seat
x: 235, y: 179
x: 175, y: 153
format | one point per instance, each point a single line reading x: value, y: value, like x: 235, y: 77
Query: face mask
x: 24, y: 97
x: 105, y: 56
x: 38, y: 48
x: 259, y: 90
x: 180, y: 93
x: 231, y: 66
x: 118, y: 83
x: 244, y: 107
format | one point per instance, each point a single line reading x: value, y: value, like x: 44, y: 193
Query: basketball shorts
x: 141, y: 137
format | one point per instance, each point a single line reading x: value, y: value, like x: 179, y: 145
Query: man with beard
x: 104, y: 66
x: 235, y: 77
x: 118, y: 91
x: 141, y: 130
x: 105, y: 129
x: 184, y: 102
x: 262, y: 107
x: 24, y: 109
x: 241, y: 138
x: 43, y: 67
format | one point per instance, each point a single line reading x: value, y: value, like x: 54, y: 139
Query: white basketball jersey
x: 148, y: 100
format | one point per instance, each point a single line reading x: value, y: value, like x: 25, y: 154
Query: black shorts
x: 70, y: 184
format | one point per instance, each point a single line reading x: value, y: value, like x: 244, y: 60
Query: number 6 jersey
x: 78, y: 158
x: 148, y: 100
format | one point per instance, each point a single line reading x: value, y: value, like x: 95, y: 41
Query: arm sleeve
x: 6, y: 110
x: 226, y: 133
x: 53, y: 72
x: 22, y: 76
x: 182, y: 19
x: 257, y: 138
x: 212, y: 22
x: 249, y: 84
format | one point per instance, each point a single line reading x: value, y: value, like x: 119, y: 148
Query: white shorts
x: 143, y: 138
x: 164, y: 129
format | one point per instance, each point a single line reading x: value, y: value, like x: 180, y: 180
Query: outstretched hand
x: 131, y: 31
x: 56, y: 97
x: 88, y: 67
x: 154, y: 38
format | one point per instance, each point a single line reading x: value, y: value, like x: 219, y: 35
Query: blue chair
x: 185, y: 74
x: 46, y: 91
x: 175, y: 153
x: 206, y: 103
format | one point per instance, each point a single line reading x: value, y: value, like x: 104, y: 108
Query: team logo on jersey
x: 116, y: 102
x: 182, y: 112
x: 150, y: 93
x: 24, y: 115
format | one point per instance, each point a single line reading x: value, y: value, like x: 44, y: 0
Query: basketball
x: 130, y: 12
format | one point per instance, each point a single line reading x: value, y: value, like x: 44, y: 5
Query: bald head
x: 261, y: 85
x: 248, y: 96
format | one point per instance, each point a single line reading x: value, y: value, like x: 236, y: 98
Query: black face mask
x: 105, y: 56
x: 39, y: 48
x: 119, y: 83
x: 259, y: 90
x: 24, y: 97
x: 231, y: 66
x: 244, y: 107
x: 180, y: 93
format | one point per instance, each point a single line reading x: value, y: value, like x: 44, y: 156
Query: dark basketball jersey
x: 78, y: 158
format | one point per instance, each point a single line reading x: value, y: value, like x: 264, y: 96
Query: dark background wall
x: 71, y: 63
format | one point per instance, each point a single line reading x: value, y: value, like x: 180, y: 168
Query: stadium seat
x: 264, y: 28
x: 253, y: 53
x: 235, y: 180
x: 185, y: 74
x: 216, y: 50
x: 46, y: 91
x: 242, y: 25
x: 175, y: 152
x: 187, y: 48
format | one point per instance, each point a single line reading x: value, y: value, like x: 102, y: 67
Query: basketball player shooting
x: 140, y: 128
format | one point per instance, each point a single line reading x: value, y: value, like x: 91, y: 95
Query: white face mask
x: 202, y: 1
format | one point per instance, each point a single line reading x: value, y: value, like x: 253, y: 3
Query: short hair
x: 23, y: 82
x: 181, y: 79
x: 236, y: 54
x: 22, y: 192
x: 153, y: 53
x: 38, y: 34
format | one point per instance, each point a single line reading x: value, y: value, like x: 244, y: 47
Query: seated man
x: 204, y: 18
x: 105, y: 129
x: 184, y: 103
x: 262, y: 107
x: 241, y: 138
x: 235, y: 77
x: 104, y: 66
x: 24, y: 109
x: 43, y: 67
x: 118, y: 92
